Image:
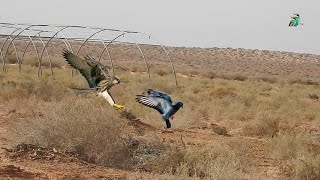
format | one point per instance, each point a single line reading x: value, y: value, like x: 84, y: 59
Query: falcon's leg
x: 107, y: 96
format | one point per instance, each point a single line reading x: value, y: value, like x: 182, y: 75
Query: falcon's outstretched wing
x: 159, y: 103
x: 159, y: 94
x: 88, y: 69
x: 105, y: 69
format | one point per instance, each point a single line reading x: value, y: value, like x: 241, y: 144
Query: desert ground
x: 248, y: 114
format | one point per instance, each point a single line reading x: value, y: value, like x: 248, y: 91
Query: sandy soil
x: 227, y: 60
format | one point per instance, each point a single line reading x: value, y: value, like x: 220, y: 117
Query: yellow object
x: 118, y: 106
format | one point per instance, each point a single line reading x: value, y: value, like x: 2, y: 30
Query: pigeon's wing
x: 87, y: 69
x: 159, y: 103
x: 105, y: 69
x: 160, y: 94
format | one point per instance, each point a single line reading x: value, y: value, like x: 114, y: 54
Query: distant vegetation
x: 252, y: 117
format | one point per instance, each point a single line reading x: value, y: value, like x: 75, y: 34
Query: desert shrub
x: 287, y: 145
x: 161, y: 72
x: 219, y: 129
x: 11, y: 59
x: 127, y: 114
x: 209, y: 162
x: 22, y: 107
x: 268, y: 79
x: 310, y: 116
x: 303, y: 81
x: 31, y: 61
x: 268, y: 125
x: 223, y: 91
x: 81, y: 127
x: 313, y: 96
x: 299, y: 160
x: 237, y: 77
x: 306, y: 167
x: 211, y: 75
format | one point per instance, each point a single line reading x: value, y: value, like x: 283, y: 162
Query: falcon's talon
x: 117, y: 106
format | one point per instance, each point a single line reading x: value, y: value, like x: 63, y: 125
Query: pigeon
x: 161, y: 102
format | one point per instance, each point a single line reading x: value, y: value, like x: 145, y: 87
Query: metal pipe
x: 1, y: 50
x: 167, y: 55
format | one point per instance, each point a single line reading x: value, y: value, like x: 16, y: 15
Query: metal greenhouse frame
x: 31, y: 33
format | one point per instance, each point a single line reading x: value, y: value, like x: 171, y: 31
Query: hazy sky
x: 254, y: 24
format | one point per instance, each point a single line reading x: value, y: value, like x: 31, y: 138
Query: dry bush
x: 219, y: 129
x: 23, y: 108
x: 209, y: 162
x: 306, y: 167
x: 161, y: 72
x: 313, y: 96
x: 44, y: 88
x: 303, y: 81
x: 127, y: 114
x: 211, y: 75
x: 222, y: 92
x: 33, y: 62
x: 287, y: 145
x: 237, y: 77
x: 298, y: 154
x: 270, y: 80
x: 268, y: 124
x: 310, y: 116
x: 11, y: 59
x: 81, y: 127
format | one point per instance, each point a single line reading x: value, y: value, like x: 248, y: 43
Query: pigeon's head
x: 115, y: 80
x: 179, y: 105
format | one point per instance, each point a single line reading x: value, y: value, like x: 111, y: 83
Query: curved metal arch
x: 14, y: 45
x: 101, y: 40
x: 47, y: 52
x: 106, y: 46
x: 168, y: 56
x: 145, y: 61
x: 46, y: 25
x: 59, y: 31
x: 38, y: 57
x: 1, y: 50
x: 140, y: 50
x: 31, y: 41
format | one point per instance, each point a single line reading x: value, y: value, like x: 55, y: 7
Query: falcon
x: 161, y: 102
x: 96, y: 74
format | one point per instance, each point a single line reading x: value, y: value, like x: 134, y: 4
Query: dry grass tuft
x: 209, y: 162
x: 219, y: 129
x: 81, y: 127
x: 313, y: 96
x: 223, y: 91
x: 297, y: 156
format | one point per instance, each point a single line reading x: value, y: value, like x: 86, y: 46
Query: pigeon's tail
x: 168, y: 123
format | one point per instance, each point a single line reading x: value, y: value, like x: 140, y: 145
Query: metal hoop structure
x: 58, y: 35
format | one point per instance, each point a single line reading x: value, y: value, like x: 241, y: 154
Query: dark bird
x: 161, y: 102
x: 96, y: 74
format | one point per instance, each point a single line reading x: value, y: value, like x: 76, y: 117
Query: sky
x: 250, y: 24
